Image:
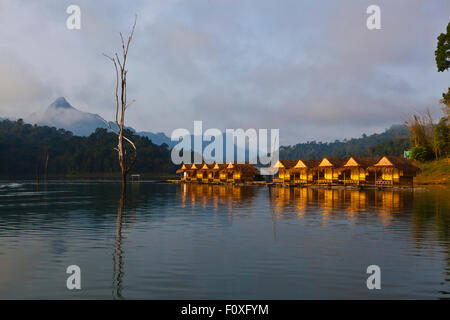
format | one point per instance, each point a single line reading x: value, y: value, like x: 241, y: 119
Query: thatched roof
x: 334, y: 162
x: 310, y: 163
x: 361, y: 162
x: 206, y: 166
x: 194, y: 166
x: 287, y: 164
x: 219, y: 166
x: 243, y: 167
x: 392, y: 162
x: 184, y: 167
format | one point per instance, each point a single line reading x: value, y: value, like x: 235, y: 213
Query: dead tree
x: 121, y: 106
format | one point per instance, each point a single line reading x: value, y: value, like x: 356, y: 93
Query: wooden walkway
x: 300, y: 185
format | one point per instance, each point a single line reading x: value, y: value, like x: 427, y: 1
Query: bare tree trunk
x: 124, y: 182
x: 121, y: 107
x: 46, y: 168
x: 37, y: 174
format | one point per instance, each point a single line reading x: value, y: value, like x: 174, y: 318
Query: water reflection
x: 128, y: 204
x: 330, y: 202
x: 118, y: 262
x: 350, y: 204
x: 217, y: 196
x: 425, y: 214
x: 166, y: 241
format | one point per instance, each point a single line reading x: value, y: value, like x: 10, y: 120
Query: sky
x: 309, y: 68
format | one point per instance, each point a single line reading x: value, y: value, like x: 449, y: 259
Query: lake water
x: 221, y: 242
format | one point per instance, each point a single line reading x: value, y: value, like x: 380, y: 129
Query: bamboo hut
x: 282, y: 169
x: 390, y: 170
x: 204, y: 174
x: 187, y: 172
x: 182, y: 172
x: 240, y: 172
x: 198, y: 173
x: 303, y: 171
x: 219, y: 172
x: 328, y: 170
x: 355, y: 171
x: 191, y: 172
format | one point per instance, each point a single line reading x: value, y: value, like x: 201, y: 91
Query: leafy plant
x: 422, y: 153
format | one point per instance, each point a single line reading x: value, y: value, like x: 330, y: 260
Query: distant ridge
x: 158, y: 138
x: 62, y: 115
x: 392, y: 141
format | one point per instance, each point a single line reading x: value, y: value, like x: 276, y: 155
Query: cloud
x: 20, y: 87
x: 311, y: 69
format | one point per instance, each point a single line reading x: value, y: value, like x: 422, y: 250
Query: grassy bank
x: 434, y: 172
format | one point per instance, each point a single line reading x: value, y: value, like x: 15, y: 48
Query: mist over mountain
x: 61, y: 114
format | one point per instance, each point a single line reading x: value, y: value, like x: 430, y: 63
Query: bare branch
x: 135, y: 154
x: 130, y: 142
x: 120, y: 64
x: 123, y: 42
x: 129, y: 104
x: 108, y: 57
x: 108, y: 124
x: 117, y: 87
x: 130, y: 37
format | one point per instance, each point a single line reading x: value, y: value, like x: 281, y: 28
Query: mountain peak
x: 61, y: 114
x: 61, y: 103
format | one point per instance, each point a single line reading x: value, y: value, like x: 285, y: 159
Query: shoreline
x: 170, y: 179
x: 311, y: 186
x: 436, y: 172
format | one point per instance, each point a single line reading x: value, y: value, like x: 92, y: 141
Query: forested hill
x: 391, y: 142
x: 24, y: 150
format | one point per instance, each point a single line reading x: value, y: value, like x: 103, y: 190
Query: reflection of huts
x: 282, y: 169
x: 215, y: 196
x: 355, y: 171
x: 390, y: 170
x: 240, y: 172
x: 303, y: 171
x: 204, y: 174
x: 328, y: 170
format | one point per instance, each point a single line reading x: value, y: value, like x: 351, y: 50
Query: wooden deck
x: 379, y: 185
